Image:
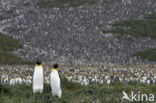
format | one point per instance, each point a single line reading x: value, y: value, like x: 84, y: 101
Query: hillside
x: 103, y: 47
x: 72, y: 34
x: 7, y: 45
x: 137, y: 28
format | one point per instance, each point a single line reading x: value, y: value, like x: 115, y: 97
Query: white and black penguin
x: 38, y: 79
x: 55, y: 81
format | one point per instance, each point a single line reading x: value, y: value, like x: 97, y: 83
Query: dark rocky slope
x: 73, y: 35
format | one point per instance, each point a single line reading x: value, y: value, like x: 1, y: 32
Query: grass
x: 136, y: 28
x: 8, y: 44
x: 73, y: 93
x: 64, y: 3
x: 147, y: 54
x: 110, y: 1
x: 132, y: 27
x: 27, y: 4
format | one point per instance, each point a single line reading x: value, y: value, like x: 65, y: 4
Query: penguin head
x: 55, y: 66
x: 38, y: 62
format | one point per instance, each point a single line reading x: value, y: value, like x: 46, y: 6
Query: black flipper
x: 60, y: 80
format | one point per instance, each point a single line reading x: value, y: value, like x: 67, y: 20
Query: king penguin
x: 38, y: 78
x: 55, y: 81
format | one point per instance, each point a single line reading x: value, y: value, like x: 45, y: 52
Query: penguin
x: 38, y: 78
x: 55, y: 82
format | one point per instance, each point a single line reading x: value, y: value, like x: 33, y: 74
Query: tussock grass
x: 147, y: 54
x: 8, y: 44
x: 136, y: 28
x: 132, y: 27
x: 64, y: 3
x: 73, y: 93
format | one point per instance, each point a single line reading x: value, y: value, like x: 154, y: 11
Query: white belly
x: 38, y: 80
x: 55, y: 84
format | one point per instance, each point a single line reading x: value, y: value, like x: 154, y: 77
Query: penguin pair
x: 55, y: 81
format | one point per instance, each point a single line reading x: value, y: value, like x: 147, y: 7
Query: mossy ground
x: 8, y: 44
x: 64, y: 3
x: 147, y: 54
x: 135, y: 28
x: 145, y: 27
x: 73, y: 93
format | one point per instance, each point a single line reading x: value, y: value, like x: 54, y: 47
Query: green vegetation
x: 26, y: 4
x: 136, y: 28
x: 31, y: 11
x: 8, y: 44
x: 145, y: 27
x: 73, y: 93
x: 64, y: 3
x: 110, y: 1
x: 147, y: 54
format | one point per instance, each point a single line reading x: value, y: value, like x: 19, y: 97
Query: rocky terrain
x: 82, y: 74
x: 73, y: 35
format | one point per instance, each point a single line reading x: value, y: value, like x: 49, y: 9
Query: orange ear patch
x: 39, y: 66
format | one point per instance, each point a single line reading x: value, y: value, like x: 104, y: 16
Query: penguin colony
x: 84, y: 75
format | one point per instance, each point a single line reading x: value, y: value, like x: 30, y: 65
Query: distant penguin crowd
x: 38, y: 80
